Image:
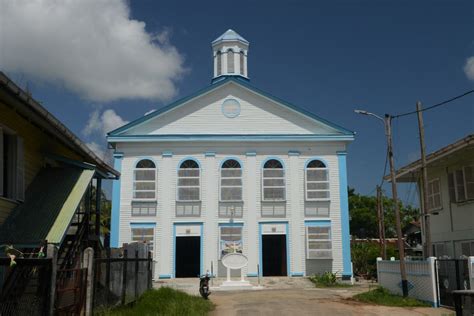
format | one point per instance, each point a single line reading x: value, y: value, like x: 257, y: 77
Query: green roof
x: 50, y: 203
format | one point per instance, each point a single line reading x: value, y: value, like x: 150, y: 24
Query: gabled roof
x: 226, y: 80
x: 230, y: 35
x: 408, y: 172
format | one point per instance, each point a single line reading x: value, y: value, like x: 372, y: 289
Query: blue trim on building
x: 167, y: 154
x: 288, y: 262
x: 260, y: 261
x: 143, y: 224
x: 315, y: 158
x: 188, y: 158
x: 293, y: 153
x: 276, y: 158
x: 201, y: 251
x: 287, y: 237
x: 210, y: 154
x: 115, y: 220
x: 252, y: 275
x: 140, y: 158
x: 251, y: 154
x: 165, y: 276
x: 318, y: 223
x: 227, y: 138
x: 240, y: 81
x: 297, y: 274
x: 344, y: 200
x: 231, y: 158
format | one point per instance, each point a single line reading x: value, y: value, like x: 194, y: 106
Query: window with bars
x: 461, y: 184
x: 145, y: 235
x: 230, y: 240
x: 230, y: 61
x: 144, y: 180
x: 219, y: 63
x: 318, y: 242
x: 273, y: 181
x: 434, y: 195
x: 317, y: 181
x: 231, y: 181
x: 189, y: 181
x: 467, y: 248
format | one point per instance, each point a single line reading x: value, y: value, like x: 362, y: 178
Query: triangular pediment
x: 230, y: 108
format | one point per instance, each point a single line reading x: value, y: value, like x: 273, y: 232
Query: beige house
x: 450, y: 196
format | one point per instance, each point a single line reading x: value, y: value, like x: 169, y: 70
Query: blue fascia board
x: 240, y: 81
x: 344, y: 200
x: 115, y: 217
x: 230, y: 137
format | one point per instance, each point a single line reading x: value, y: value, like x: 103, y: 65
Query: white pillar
x: 166, y: 242
x: 210, y: 211
x: 297, y: 229
x: 251, y: 211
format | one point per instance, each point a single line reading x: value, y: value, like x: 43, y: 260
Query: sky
x: 99, y: 64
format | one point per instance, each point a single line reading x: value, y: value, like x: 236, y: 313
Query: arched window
x: 273, y: 178
x: 144, y: 180
x: 242, y: 63
x: 230, y: 61
x: 189, y: 181
x: 317, y: 181
x: 219, y: 63
x: 231, y: 181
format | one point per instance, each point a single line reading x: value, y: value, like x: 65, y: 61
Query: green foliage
x: 363, y: 213
x: 382, y: 296
x: 327, y: 279
x: 164, y: 301
x: 364, y: 258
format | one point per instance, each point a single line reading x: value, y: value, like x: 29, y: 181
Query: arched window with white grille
x: 189, y: 179
x: 219, y: 63
x: 317, y: 181
x: 230, y: 61
x: 242, y: 61
x: 231, y: 181
x: 273, y: 181
x: 144, y: 180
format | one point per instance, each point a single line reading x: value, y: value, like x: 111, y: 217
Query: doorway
x: 188, y: 256
x: 274, y: 255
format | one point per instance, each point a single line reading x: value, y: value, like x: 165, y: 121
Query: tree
x: 363, y: 214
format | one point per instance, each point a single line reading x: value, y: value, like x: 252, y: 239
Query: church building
x: 232, y: 168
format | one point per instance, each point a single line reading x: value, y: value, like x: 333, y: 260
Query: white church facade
x: 233, y: 169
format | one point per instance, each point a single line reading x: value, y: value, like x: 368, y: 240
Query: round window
x: 231, y: 108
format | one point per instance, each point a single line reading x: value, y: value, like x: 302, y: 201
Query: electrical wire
x: 435, y: 105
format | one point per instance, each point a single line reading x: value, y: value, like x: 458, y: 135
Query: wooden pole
x: 401, y: 245
x: 382, y: 222
x: 427, y: 249
x: 379, y: 221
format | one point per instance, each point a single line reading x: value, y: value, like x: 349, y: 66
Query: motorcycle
x: 204, y: 285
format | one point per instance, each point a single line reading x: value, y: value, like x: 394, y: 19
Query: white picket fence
x: 421, y: 276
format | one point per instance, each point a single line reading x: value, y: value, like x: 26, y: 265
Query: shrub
x: 382, y: 296
x: 327, y: 279
x: 364, y: 258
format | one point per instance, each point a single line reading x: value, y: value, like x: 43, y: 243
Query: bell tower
x: 230, y: 55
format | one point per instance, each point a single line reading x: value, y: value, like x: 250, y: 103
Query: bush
x: 327, y: 279
x: 382, y: 296
x: 164, y: 301
x: 364, y: 258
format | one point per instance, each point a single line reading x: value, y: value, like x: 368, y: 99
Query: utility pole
x: 401, y: 245
x: 427, y: 249
x: 380, y: 219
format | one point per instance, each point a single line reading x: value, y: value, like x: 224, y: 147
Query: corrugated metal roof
x: 49, y: 205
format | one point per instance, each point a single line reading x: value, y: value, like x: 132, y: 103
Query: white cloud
x: 102, y: 123
x: 92, y: 47
x: 469, y: 68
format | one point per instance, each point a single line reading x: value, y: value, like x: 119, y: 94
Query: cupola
x: 230, y: 55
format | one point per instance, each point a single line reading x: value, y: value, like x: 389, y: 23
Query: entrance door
x: 274, y: 255
x: 188, y: 256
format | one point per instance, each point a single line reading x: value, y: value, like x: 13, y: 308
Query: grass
x: 381, y: 296
x: 164, y: 301
x: 327, y: 279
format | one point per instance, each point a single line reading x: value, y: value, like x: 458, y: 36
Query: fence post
x: 149, y: 271
x: 52, y: 252
x: 107, y: 277
x: 434, y: 284
x: 470, y: 268
x: 124, y: 276
x: 378, y: 269
x: 136, y: 274
x: 88, y: 262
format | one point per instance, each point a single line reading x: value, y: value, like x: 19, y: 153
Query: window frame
x: 230, y: 61
x: 134, y: 226
x: 431, y: 195
x: 262, y: 184
x: 219, y: 63
x: 308, y: 240
x: 231, y: 186
x: 306, y: 181
x: 178, y: 186
x: 155, y: 181
x: 454, y: 174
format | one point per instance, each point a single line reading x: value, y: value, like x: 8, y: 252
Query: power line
x: 435, y: 105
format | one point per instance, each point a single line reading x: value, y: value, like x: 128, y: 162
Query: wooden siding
x: 258, y: 115
x: 166, y: 188
x: 36, y: 143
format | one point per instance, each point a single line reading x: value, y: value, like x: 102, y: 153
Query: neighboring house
x: 450, y: 196
x: 233, y: 169
x: 46, y: 177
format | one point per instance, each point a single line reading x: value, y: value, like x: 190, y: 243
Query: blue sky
x: 327, y: 57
